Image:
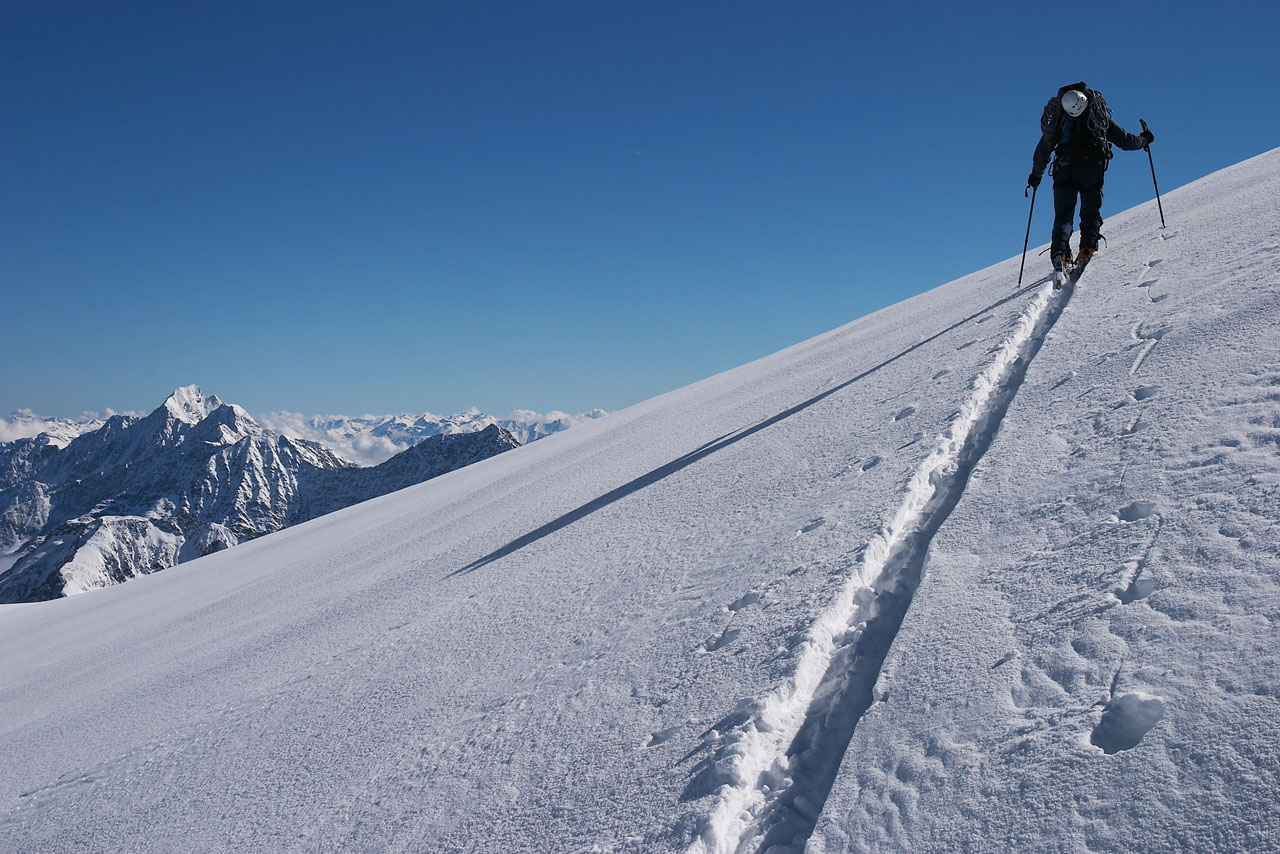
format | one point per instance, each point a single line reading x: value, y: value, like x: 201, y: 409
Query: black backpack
x: 1082, y: 139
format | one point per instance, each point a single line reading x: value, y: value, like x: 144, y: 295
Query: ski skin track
x: 783, y: 761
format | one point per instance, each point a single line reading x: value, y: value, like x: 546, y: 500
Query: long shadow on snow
x: 845, y: 692
x: 710, y: 448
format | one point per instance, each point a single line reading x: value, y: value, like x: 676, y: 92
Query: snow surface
x: 991, y: 569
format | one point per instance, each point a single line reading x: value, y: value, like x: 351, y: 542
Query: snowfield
x: 993, y: 569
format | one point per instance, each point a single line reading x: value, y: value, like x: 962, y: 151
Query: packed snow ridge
x: 992, y: 569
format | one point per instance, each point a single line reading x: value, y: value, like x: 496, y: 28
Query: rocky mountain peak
x: 190, y: 405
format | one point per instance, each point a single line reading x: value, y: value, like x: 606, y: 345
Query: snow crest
x: 765, y: 795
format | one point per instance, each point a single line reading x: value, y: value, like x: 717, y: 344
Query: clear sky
x: 379, y: 207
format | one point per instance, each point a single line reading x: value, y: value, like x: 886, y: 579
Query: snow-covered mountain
x: 993, y: 569
x: 25, y: 424
x: 195, y: 476
x: 371, y: 439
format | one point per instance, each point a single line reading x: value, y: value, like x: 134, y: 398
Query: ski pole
x: 1159, y: 206
x: 1027, y: 239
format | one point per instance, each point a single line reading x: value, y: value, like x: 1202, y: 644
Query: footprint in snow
x: 720, y: 641
x: 744, y: 600
x: 1145, y: 392
x: 871, y: 463
x: 1147, y: 284
x: 1136, y: 511
x: 1148, y: 340
x: 1155, y: 262
x: 1125, y: 720
x: 905, y: 412
x: 942, y: 373
x: 966, y: 346
x: 814, y: 525
x: 1140, y: 334
x: 1139, y: 588
x: 662, y: 735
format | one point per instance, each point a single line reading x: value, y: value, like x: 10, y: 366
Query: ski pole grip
x: 1144, y: 124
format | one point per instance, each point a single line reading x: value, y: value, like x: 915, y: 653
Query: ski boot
x: 1061, y: 270
x: 1086, y: 255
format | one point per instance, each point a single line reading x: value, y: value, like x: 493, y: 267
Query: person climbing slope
x: 1077, y: 128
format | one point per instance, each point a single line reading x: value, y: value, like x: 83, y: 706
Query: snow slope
x: 1016, y: 551
x: 1091, y: 662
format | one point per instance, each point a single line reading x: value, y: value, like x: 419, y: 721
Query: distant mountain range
x: 371, y: 439
x: 90, y: 502
x: 25, y: 424
x: 363, y: 439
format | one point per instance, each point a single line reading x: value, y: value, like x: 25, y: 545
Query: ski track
x: 780, y: 765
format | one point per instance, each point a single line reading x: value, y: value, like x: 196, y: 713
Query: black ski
x: 1077, y: 270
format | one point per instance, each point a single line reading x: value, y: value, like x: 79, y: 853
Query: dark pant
x: 1070, y: 180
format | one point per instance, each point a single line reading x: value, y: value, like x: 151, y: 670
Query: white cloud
x: 353, y: 437
x: 364, y: 439
x: 23, y: 424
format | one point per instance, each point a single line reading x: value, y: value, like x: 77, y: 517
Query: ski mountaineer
x: 1077, y: 125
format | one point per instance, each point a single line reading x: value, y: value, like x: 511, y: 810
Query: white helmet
x: 1074, y: 102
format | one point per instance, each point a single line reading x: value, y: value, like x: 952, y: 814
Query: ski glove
x: 1147, y: 137
x: 1033, y: 180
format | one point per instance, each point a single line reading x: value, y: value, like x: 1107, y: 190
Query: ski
x: 1069, y: 274
x: 1077, y: 270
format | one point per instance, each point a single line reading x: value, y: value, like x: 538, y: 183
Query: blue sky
x: 377, y: 207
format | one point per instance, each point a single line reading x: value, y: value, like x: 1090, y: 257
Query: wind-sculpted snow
x: 989, y: 570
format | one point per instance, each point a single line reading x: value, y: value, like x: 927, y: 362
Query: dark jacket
x: 1051, y: 134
